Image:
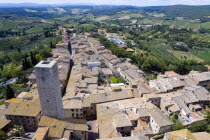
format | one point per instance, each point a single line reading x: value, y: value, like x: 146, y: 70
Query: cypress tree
x: 51, y: 45
x: 9, y: 92
x: 23, y: 64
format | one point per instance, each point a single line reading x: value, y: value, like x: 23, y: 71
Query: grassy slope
x: 35, y: 29
x: 180, y: 55
x: 7, y: 24
x: 203, y: 55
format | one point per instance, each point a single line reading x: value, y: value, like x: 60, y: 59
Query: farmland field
x: 35, y: 29
x: 206, y: 25
x: 182, y: 55
x: 7, y: 24
x: 203, y: 55
x: 102, y: 18
x: 71, y: 25
x: 156, y: 14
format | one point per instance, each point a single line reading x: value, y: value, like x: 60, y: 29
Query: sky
x: 115, y: 2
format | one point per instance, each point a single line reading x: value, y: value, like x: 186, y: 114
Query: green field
x: 23, y: 43
x: 150, y: 21
x: 80, y: 10
x: 160, y: 52
x: 206, y: 25
x: 156, y: 14
x: 71, y: 25
x: 7, y: 24
x: 204, y: 37
x: 203, y: 55
x: 185, y: 55
x: 35, y: 29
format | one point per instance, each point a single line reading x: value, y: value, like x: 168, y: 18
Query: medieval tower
x: 49, y: 89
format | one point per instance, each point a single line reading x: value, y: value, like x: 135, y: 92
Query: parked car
x: 89, y: 127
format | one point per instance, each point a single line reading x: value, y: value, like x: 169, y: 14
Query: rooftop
x: 180, y: 135
x: 24, y: 108
x: 122, y: 121
x: 106, y: 71
x: 57, y: 127
x: 24, y: 95
x: 201, y: 135
x: 40, y: 134
x: 121, y: 138
x: 160, y: 118
x: 111, y: 96
x: 13, y: 100
x: 45, y: 64
x: 3, y: 123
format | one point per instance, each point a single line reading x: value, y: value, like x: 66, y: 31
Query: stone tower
x: 49, y: 89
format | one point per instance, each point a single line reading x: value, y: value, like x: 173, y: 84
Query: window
x: 72, y: 110
x: 77, y: 115
x: 76, y: 110
x: 72, y: 114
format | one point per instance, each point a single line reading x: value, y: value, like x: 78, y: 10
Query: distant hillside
x: 154, y: 12
x: 10, y: 5
x: 192, y: 12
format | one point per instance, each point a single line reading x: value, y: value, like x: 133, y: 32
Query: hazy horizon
x: 113, y: 2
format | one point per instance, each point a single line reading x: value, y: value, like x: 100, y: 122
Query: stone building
x: 51, y: 128
x: 49, y: 89
x: 131, y: 117
x: 26, y: 113
x: 185, y: 134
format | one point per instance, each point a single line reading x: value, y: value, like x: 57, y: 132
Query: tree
x: 178, y: 127
x: 19, y: 50
x: 199, y: 127
x: 2, y: 134
x: 174, y: 118
x: 207, y: 115
x: 38, y: 58
x: 114, y: 80
x: 9, y: 92
x: 45, y: 54
x: 60, y: 32
x: 146, y: 66
x: 51, y: 45
x: 182, y: 68
x: 11, y: 47
x: 33, y: 58
x: 25, y: 63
